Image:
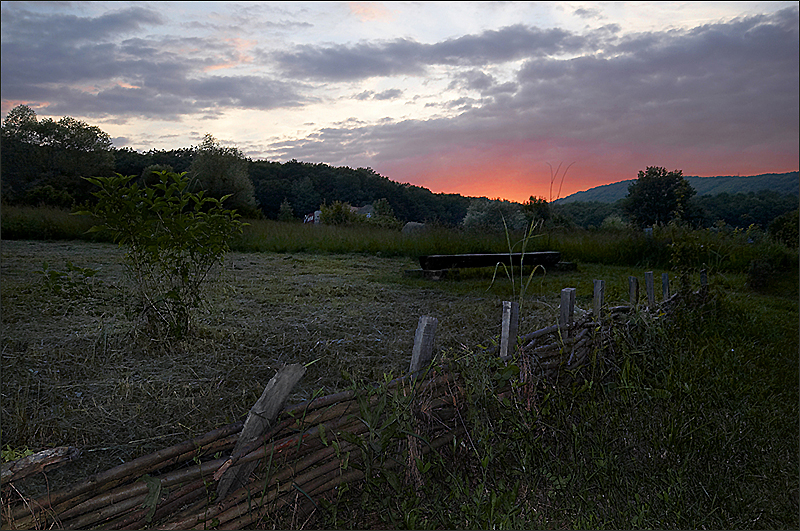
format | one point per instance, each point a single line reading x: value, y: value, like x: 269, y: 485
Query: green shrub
x: 784, y: 228
x: 174, y: 239
x: 338, y: 213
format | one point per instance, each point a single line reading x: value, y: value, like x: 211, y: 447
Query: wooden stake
x: 650, y: 287
x: 599, y: 297
x: 703, y: 281
x: 567, y: 310
x: 262, y: 415
x: 665, y: 285
x: 423, y: 343
x: 633, y: 290
x: 508, y: 336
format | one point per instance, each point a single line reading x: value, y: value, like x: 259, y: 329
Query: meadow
x: 694, y: 425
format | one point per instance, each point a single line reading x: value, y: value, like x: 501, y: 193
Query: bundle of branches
x: 310, y: 449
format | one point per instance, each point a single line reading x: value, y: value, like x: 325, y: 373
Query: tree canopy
x: 657, y: 197
x: 37, y: 154
x: 223, y: 171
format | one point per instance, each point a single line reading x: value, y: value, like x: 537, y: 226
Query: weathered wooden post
x: 261, y: 417
x: 567, y: 310
x: 633, y: 290
x: 650, y: 287
x: 508, y: 334
x: 422, y: 353
x: 665, y: 285
x: 599, y: 296
x: 703, y: 281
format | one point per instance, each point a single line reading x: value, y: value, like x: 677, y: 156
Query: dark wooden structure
x: 457, y: 261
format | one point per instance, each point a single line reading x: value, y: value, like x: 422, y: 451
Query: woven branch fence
x: 306, y: 451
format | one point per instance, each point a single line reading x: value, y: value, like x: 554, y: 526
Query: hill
x: 784, y: 183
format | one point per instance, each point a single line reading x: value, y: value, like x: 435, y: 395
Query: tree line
x: 45, y: 162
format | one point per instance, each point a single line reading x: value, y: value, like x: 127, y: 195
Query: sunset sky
x: 465, y: 97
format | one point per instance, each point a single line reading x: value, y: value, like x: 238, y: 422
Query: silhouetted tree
x: 222, y: 171
x: 657, y: 197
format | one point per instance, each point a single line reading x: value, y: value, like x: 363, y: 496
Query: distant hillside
x: 785, y: 183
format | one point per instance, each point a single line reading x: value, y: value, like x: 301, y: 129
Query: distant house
x: 366, y: 210
x: 314, y: 217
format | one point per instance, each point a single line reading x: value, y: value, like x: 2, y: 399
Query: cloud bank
x: 441, y: 112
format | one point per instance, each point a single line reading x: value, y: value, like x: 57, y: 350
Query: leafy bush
x: 47, y: 195
x: 494, y: 215
x: 338, y: 213
x: 784, y: 228
x: 175, y: 238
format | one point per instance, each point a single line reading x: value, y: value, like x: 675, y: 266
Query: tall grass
x: 287, y: 237
x: 43, y: 223
x: 690, y: 423
x: 673, y: 246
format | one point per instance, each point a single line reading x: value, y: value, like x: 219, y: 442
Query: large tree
x: 222, y: 171
x: 657, y: 197
x: 37, y: 154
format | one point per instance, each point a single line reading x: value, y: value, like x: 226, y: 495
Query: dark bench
x: 438, y: 262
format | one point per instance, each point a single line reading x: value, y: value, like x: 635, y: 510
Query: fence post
x: 703, y: 281
x: 508, y: 336
x: 599, y: 296
x: 665, y: 285
x: 633, y: 290
x: 650, y: 287
x: 567, y: 310
x: 422, y: 353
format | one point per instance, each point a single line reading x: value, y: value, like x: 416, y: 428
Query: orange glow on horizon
x: 485, y: 174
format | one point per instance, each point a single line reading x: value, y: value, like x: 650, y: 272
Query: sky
x: 493, y: 99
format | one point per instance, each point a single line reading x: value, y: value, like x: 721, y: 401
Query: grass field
x: 696, y: 428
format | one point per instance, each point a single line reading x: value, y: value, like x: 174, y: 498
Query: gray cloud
x: 141, y: 77
x: 30, y: 27
x: 731, y: 85
x: 408, y: 57
x: 390, y: 94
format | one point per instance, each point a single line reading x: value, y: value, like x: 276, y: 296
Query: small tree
x: 286, y: 212
x: 174, y: 237
x: 338, y: 213
x: 657, y: 197
x: 536, y: 208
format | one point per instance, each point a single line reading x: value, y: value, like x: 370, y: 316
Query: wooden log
x: 650, y: 288
x: 60, y: 501
x: 455, y: 261
x: 175, y: 500
x: 510, y: 324
x: 262, y: 415
x: 422, y: 354
x: 195, y: 516
x: 38, y: 462
x: 599, y: 297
